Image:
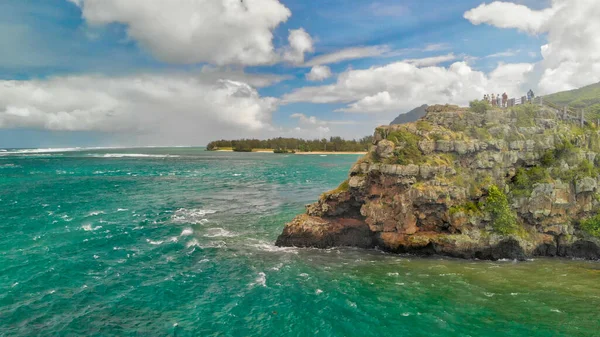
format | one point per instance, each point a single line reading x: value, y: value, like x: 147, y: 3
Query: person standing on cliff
x: 504, y: 100
x: 499, y: 100
x: 493, y: 99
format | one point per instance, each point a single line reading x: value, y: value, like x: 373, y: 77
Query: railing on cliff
x: 562, y: 112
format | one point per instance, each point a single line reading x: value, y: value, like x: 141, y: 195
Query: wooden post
x: 581, y: 117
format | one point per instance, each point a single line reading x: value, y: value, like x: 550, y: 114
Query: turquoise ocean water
x: 179, y: 242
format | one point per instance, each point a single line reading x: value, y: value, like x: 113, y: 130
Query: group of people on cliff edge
x: 502, y: 101
x: 497, y: 100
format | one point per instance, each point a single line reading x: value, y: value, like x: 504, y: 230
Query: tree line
x: 333, y: 144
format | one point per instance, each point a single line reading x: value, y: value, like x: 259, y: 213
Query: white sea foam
x: 392, y: 274
x: 191, y: 216
x: 49, y: 150
x: 556, y: 310
x: 318, y: 291
x: 261, y: 280
x: 269, y: 247
x: 122, y: 210
x: 134, y: 155
x: 187, y: 232
x: 96, y: 213
x: 219, y: 233
x: 88, y: 228
x: 154, y: 243
x: 192, y: 243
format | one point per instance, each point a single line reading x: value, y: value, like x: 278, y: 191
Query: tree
x: 479, y: 106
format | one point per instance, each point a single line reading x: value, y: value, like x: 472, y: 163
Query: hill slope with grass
x: 469, y: 183
x: 584, y: 98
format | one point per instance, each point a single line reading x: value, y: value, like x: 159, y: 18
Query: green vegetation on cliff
x: 504, y: 218
x: 592, y: 226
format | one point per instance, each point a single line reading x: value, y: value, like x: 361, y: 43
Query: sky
x: 185, y: 72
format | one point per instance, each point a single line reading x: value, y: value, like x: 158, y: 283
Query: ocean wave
x: 271, y: 248
x: 154, y: 243
x: 261, y: 280
x: 10, y: 166
x: 187, y: 232
x: 219, y: 233
x: 132, y: 155
x: 47, y: 150
x: 191, y: 216
x: 89, y: 228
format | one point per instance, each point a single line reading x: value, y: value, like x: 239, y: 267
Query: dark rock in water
x: 411, y: 116
x: 501, y: 185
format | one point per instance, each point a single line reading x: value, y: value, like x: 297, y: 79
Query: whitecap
x: 261, y: 280
x: 155, y: 243
x: 392, y: 274
x: 135, y: 155
x: 193, y: 216
x: 269, y: 247
x: 303, y: 275
x: 406, y: 314
x: 318, y: 291
x: 192, y: 243
x: 489, y: 294
x: 219, y: 233
x: 187, y: 232
x: 555, y: 310
x: 88, y: 228
x: 122, y: 209
x: 94, y: 213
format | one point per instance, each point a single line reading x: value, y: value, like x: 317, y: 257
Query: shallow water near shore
x: 179, y: 242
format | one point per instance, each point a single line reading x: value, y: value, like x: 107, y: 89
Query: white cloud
x: 165, y: 109
x: 194, y: 31
x: 507, y: 53
x: 401, y: 86
x: 348, y: 54
x: 319, y: 73
x: 312, y: 120
x: 511, y: 15
x: 571, y: 57
x: 431, y: 61
x: 300, y: 43
x: 436, y: 47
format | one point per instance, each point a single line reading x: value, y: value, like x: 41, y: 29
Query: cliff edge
x: 512, y: 183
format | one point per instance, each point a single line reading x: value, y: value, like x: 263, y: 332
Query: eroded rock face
x: 425, y: 189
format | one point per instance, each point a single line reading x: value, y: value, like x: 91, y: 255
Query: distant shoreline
x: 302, y: 153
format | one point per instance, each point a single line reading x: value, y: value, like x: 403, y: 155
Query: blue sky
x: 111, y: 48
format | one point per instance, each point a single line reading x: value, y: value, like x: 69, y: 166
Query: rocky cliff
x: 502, y: 184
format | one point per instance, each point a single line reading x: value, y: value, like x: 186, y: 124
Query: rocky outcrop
x: 505, y: 184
